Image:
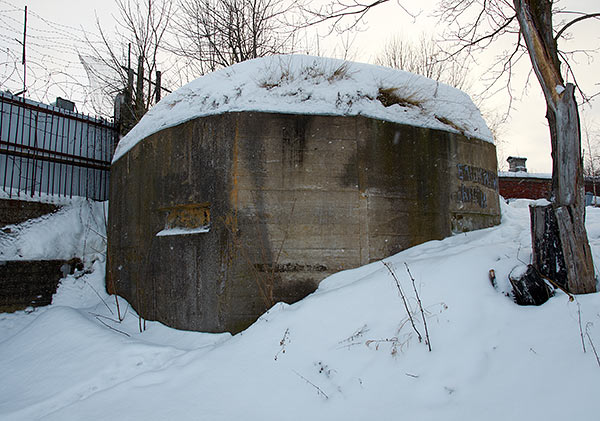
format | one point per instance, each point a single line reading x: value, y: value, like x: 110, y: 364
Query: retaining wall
x: 13, y: 211
x: 31, y: 283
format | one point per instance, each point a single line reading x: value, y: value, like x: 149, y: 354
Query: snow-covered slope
x: 77, y: 229
x: 346, y: 352
x: 300, y: 84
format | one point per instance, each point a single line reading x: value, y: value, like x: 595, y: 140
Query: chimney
x: 516, y: 164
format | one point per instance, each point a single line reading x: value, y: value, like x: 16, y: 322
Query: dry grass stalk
x: 341, y: 72
x: 391, y: 96
x: 318, y: 389
x: 408, y: 312
x: 588, y: 324
x: 581, y: 327
x: 427, y: 341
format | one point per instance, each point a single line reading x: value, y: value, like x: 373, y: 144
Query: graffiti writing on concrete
x: 471, y: 195
x: 477, y: 175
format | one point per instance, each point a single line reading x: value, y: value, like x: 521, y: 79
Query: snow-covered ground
x: 301, y: 84
x: 346, y: 352
x: 77, y: 229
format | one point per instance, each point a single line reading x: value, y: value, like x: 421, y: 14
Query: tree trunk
x: 560, y: 249
x: 568, y: 206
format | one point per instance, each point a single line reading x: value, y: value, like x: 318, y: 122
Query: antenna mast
x: 24, y: 62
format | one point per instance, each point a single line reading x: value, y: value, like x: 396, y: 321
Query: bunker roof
x: 301, y: 84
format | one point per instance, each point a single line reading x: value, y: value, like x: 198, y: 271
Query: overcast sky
x: 526, y: 133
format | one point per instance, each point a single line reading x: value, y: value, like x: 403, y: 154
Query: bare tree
x: 560, y: 245
x: 591, y: 141
x: 138, y: 38
x: 591, y: 166
x: 210, y: 34
x: 425, y: 57
x: 561, y: 248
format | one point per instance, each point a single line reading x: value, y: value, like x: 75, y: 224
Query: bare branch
x: 141, y: 23
x: 338, y: 11
x: 401, y: 292
x: 574, y: 21
x: 427, y: 340
x: 210, y: 34
x: 426, y: 58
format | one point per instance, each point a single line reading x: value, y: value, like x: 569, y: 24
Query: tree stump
x: 546, y: 246
x: 557, y: 237
x: 529, y: 289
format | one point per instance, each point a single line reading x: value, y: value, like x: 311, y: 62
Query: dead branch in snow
x: 587, y: 325
x: 427, y: 341
x: 319, y: 390
x: 401, y: 292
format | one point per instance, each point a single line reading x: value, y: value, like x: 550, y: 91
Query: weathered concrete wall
x: 14, y: 211
x: 31, y: 283
x: 286, y: 200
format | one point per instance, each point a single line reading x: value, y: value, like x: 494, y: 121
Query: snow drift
x: 345, y: 352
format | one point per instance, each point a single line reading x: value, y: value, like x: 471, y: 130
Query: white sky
x: 526, y: 133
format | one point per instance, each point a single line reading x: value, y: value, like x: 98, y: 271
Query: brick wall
x: 533, y: 187
x: 524, y: 187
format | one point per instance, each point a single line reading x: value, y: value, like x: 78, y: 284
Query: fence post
x: 158, y: 85
x: 139, y: 91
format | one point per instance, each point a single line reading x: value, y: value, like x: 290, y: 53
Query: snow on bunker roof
x: 300, y: 84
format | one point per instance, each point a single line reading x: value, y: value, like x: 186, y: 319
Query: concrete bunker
x: 215, y: 219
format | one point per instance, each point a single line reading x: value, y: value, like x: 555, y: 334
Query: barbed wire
x: 54, y: 66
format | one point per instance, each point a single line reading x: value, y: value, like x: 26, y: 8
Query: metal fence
x: 48, y: 150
